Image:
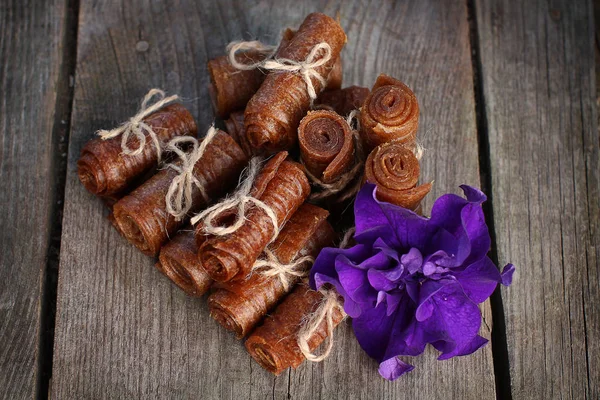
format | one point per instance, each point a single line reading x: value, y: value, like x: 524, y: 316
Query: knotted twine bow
x: 306, y: 68
x: 271, y: 266
x: 240, y: 200
x: 136, y: 126
x: 329, y: 304
x: 179, y: 195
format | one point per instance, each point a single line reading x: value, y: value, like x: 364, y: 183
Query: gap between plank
x: 60, y: 142
x: 499, y: 342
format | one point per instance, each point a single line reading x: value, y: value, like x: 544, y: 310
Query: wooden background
x: 508, y: 102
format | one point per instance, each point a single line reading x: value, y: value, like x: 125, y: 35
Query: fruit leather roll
x: 395, y: 170
x: 178, y: 260
x: 231, y: 88
x: 234, y: 125
x: 274, y: 344
x: 326, y: 145
x: 390, y: 112
x: 273, y: 114
x: 281, y: 186
x: 142, y: 215
x: 343, y: 101
x: 104, y: 170
x: 239, y: 305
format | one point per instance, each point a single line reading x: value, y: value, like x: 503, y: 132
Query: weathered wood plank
x: 31, y: 53
x: 125, y: 331
x: 539, y: 88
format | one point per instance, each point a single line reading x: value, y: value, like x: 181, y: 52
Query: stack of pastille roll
x: 297, y: 147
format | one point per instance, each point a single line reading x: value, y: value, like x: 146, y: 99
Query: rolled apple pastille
x: 239, y: 305
x: 178, y: 260
x: 275, y: 344
x: 108, y: 166
x: 268, y: 197
x: 395, y: 170
x: 231, y: 87
x: 149, y: 215
x: 390, y: 112
x: 234, y: 125
x: 297, y: 75
x: 343, y: 101
x: 334, y: 80
x: 326, y: 145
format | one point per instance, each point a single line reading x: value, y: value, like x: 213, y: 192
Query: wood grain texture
x: 123, y: 330
x: 539, y: 87
x: 31, y: 36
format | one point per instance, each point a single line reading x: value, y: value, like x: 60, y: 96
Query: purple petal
x: 392, y: 300
x: 473, y: 194
x: 428, y: 289
x: 477, y: 232
x: 325, y: 262
x: 355, y: 282
x: 470, y: 348
x: 372, y: 330
x: 367, y: 212
x: 412, y: 288
x: 380, y: 297
x: 445, y: 212
x: 379, y: 281
x: 381, y: 245
x: 507, y: 274
x: 412, y: 260
x: 392, y: 368
x: 479, y: 280
x: 379, y: 260
x: 454, y: 322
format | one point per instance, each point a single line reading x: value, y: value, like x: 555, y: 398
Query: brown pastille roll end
x: 239, y: 305
x: 390, y: 112
x: 179, y: 262
x: 274, y: 344
x: 326, y: 145
x: 395, y: 170
x: 282, y: 186
x: 104, y: 170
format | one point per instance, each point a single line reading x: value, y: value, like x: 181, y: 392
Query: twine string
x: 306, y: 69
x: 136, y: 126
x: 234, y: 47
x: 179, y: 196
x: 286, y: 273
x: 239, y: 201
x: 324, y: 312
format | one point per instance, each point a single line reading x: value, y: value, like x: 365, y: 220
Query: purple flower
x: 410, y: 280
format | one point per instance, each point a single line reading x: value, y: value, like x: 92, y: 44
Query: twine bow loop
x: 234, y: 47
x: 179, y: 196
x: 240, y: 202
x: 136, y: 125
x: 324, y: 312
x: 271, y: 266
x: 306, y: 69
